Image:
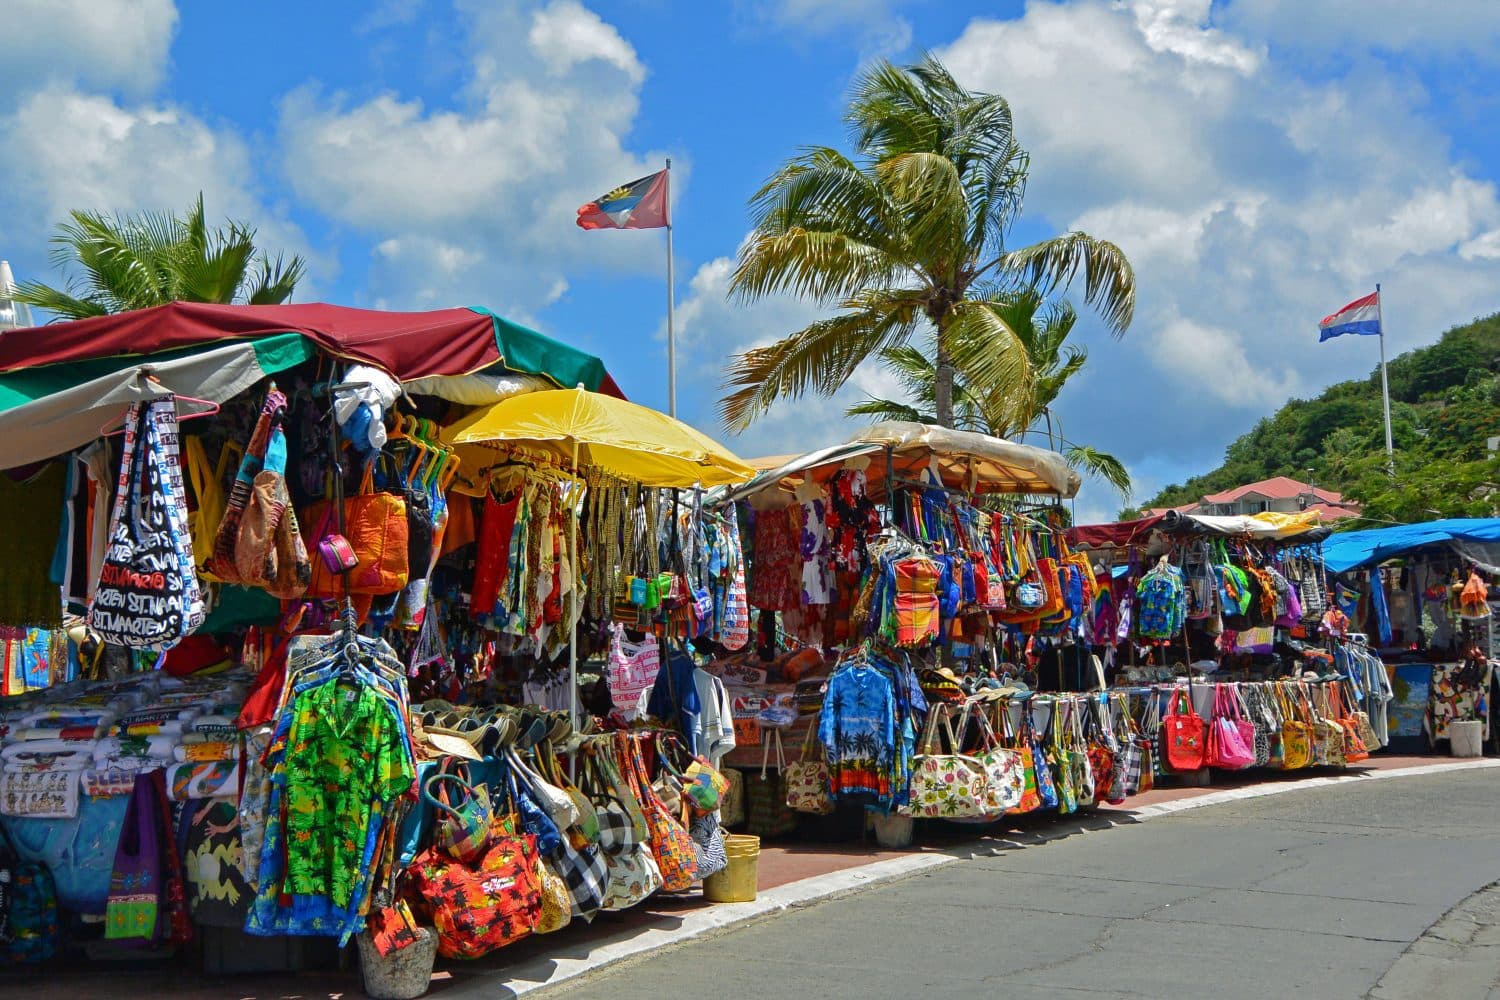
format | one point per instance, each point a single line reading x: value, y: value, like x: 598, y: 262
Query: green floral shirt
x: 345, y: 756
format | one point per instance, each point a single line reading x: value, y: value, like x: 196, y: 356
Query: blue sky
x: 1262, y: 162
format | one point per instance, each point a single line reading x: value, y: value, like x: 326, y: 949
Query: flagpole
x: 1385, y: 385
x: 671, y: 333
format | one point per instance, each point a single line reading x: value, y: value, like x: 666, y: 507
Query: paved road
x: 1315, y: 893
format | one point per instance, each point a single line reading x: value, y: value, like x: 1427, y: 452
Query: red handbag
x: 375, y: 528
x: 479, y: 907
x: 1184, y: 734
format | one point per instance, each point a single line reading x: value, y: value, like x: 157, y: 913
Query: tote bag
x: 632, y: 670
x: 1184, y: 735
x: 148, y: 594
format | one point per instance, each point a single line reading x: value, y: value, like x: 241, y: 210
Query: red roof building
x: 1280, y: 494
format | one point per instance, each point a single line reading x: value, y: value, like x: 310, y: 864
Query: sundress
x: 776, y: 574
x: 817, y: 571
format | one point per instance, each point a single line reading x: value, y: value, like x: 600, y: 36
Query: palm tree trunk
x: 942, y: 384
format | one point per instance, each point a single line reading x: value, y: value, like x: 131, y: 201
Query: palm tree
x: 134, y: 262
x: 1043, y: 329
x: 908, y: 237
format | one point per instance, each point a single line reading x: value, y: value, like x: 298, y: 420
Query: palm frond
x: 1102, y: 466
x: 819, y: 358
x: 992, y: 358
x: 1109, y: 280
x: 888, y: 409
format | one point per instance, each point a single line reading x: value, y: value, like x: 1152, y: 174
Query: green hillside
x: 1445, y: 403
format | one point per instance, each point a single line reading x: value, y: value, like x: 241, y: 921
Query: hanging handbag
x: 632, y: 873
x: 708, y: 840
x: 479, y: 907
x: 1004, y: 769
x: 947, y: 785
x: 1046, y: 786
x: 1031, y: 800
x: 807, y: 778
x: 1328, y: 735
x: 669, y: 842
x: 585, y: 872
x: 1079, y: 763
x: 461, y: 827
x: 209, y: 501
x: 1129, y: 762
x: 376, y: 529
x: 1059, y: 764
x: 1296, y: 735
x: 1250, y: 708
x: 1102, y: 751
x: 557, y: 906
x: 556, y: 803
x: 1355, y: 749
x: 147, y: 595
x: 1184, y: 734
x: 224, y: 564
x: 1231, y: 742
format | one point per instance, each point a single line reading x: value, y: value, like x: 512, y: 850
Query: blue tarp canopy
x: 1367, y: 548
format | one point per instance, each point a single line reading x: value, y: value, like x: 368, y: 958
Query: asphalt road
x: 1315, y: 893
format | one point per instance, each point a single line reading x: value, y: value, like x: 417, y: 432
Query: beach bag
x: 585, y: 872
x: 376, y: 529
x: 1030, y: 799
x: 1005, y: 770
x: 137, y: 904
x: 1183, y: 734
x: 807, y: 779
x: 1328, y: 735
x: 1046, y: 786
x: 1296, y: 735
x: 631, y: 670
x: 1231, y: 742
x: 209, y: 501
x: 557, y: 905
x: 670, y: 844
x: 486, y: 904
x: 147, y: 595
x: 1129, y: 761
x: 734, y: 630
x: 708, y: 840
x: 947, y: 785
x: 224, y: 564
x: 269, y: 552
x: 461, y: 828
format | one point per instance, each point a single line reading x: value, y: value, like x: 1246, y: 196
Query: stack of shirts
x: 96, y: 741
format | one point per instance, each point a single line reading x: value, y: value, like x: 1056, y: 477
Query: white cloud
x: 1252, y: 197
x: 93, y: 43
x: 873, y: 26
x: 1471, y: 27
x: 566, y: 34
x: 475, y: 202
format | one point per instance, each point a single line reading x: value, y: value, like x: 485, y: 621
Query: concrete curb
x: 543, y: 972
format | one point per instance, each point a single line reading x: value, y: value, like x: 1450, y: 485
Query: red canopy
x: 409, y: 345
x: 1121, y: 533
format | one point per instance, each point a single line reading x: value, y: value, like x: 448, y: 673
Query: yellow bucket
x: 736, y: 883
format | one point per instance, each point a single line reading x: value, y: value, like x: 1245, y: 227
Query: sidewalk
x: 788, y: 867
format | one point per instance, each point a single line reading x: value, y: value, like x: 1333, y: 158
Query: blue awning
x: 1354, y: 549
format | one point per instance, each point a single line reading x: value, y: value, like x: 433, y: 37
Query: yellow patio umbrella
x: 590, y: 430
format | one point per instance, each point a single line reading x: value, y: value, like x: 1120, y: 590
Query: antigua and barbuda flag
x: 641, y: 204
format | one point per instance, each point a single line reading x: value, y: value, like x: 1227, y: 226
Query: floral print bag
x: 945, y: 785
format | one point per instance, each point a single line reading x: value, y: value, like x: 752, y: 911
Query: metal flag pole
x: 671, y: 333
x: 1385, y: 385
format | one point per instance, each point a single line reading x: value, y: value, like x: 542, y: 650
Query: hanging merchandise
x: 1231, y: 737
x: 148, y: 594
x: 807, y: 779
x: 1184, y: 734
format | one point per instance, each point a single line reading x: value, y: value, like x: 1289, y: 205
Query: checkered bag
x: 586, y: 874
x: 916, y: 602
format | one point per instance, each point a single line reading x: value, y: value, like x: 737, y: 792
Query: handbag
x: 1080, y: 766
x: 1129, y: 762
x: 557, y: 906
x: 585, y: 872
x: 1355, y: 749
x: 1328, y: 735
x: 487, y: 904
x: 376, y: 529
x: 944, y: 785
x: 556, y: 803
x: 147, y: 594
x: 1296, y: 735
x: 669, y: 842
x: 1060, y: 766
x: 807, y: 778
x: 708, y: 840
x: 732, y: 803
x: 1004, y: 769
x: 1183, y: 733
x: 1231, y: 743
x: 207, y: 482
x: 460, y: 830
x: 1046, y: 784
x: 1030, y: 799
x: 223, y: 564
x: 1251, y: 708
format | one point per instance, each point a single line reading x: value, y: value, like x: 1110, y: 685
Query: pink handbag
x: 1231, y: 739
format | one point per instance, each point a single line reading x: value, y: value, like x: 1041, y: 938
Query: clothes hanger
x: 110, y: 430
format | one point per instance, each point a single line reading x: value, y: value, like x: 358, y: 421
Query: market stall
x: 290, y: 656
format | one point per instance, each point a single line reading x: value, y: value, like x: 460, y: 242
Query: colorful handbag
x: 709, y: 842
x: 1046, y: 786
x: 1296, y: 735
x: 460, y: 830
x: 1128, y: 760
x: 1005, y: 770
x: 945, y: 785
x: 703, y: 785
x: 670, y: 844
x: 585, y: 872
x: 557, y: 905
x: 807, y: 778
x: 479, y: 907
x: 1231, y: 743
x: 223, y: 564
x: 376, y: 529
x: 1183, y: 734
x: 1030, y: 799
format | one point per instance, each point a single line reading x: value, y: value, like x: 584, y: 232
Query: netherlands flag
x: 1362, y: 316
